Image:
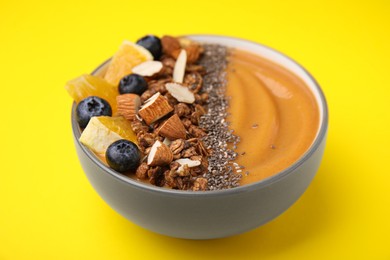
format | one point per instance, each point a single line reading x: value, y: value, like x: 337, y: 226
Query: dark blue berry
x: 153, y: 44
x: 90, y: 107
x: 123, y: 156
x: 132, y: 83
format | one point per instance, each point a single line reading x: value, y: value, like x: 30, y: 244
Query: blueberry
x: 89, y: 107
x: 123, y: 156
x: 132, y: 83
x: 153, y: 44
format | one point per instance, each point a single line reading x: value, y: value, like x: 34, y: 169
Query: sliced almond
x: 159, y: 154
x: 180, y: 67
x: 173, y: 128
x: 185, y: 161
x: 148, y: 68
x: 154, y: 108
x: 128, y: 105
x: 181, y: 93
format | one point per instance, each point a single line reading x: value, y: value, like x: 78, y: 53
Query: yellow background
x: 48, y: 210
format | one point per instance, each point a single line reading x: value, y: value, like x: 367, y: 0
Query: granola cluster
x: 167, y: 122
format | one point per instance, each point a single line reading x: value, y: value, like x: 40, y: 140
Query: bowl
x: 210, y: 214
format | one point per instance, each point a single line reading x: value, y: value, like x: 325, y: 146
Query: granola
x: 177, y: 112
x: 182, y: 127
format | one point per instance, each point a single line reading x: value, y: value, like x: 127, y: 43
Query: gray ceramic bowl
x: 210, y: 214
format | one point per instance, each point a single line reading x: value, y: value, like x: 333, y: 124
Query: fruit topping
x: 155, y: 108
x: 123, y: 156
x: 151, y: 43
x: 180, y: 67
x: 90, y: 107
x: 132, y: 83
x: 128, y: 56
x: 103, y: 130
x: 148, y: 68
x: 128, y: 105
x: 88, y: 85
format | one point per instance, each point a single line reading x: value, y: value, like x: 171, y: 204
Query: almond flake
x: 148, y: 68
x: 180, y: 67
x: 185, y: 161
x: 181, y: 93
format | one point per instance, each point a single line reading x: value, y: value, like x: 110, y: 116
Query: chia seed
x: 221, y: 174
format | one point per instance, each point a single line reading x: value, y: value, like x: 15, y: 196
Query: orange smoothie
x: 274, y: 113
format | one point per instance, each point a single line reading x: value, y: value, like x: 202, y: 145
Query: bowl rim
x: 245, y: 188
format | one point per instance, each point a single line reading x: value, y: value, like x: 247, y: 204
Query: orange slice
x: 128, y: 56
x: 104, y: 130
x: 88, y: 85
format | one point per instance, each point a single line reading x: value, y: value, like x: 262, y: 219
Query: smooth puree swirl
x: 274, y: 113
